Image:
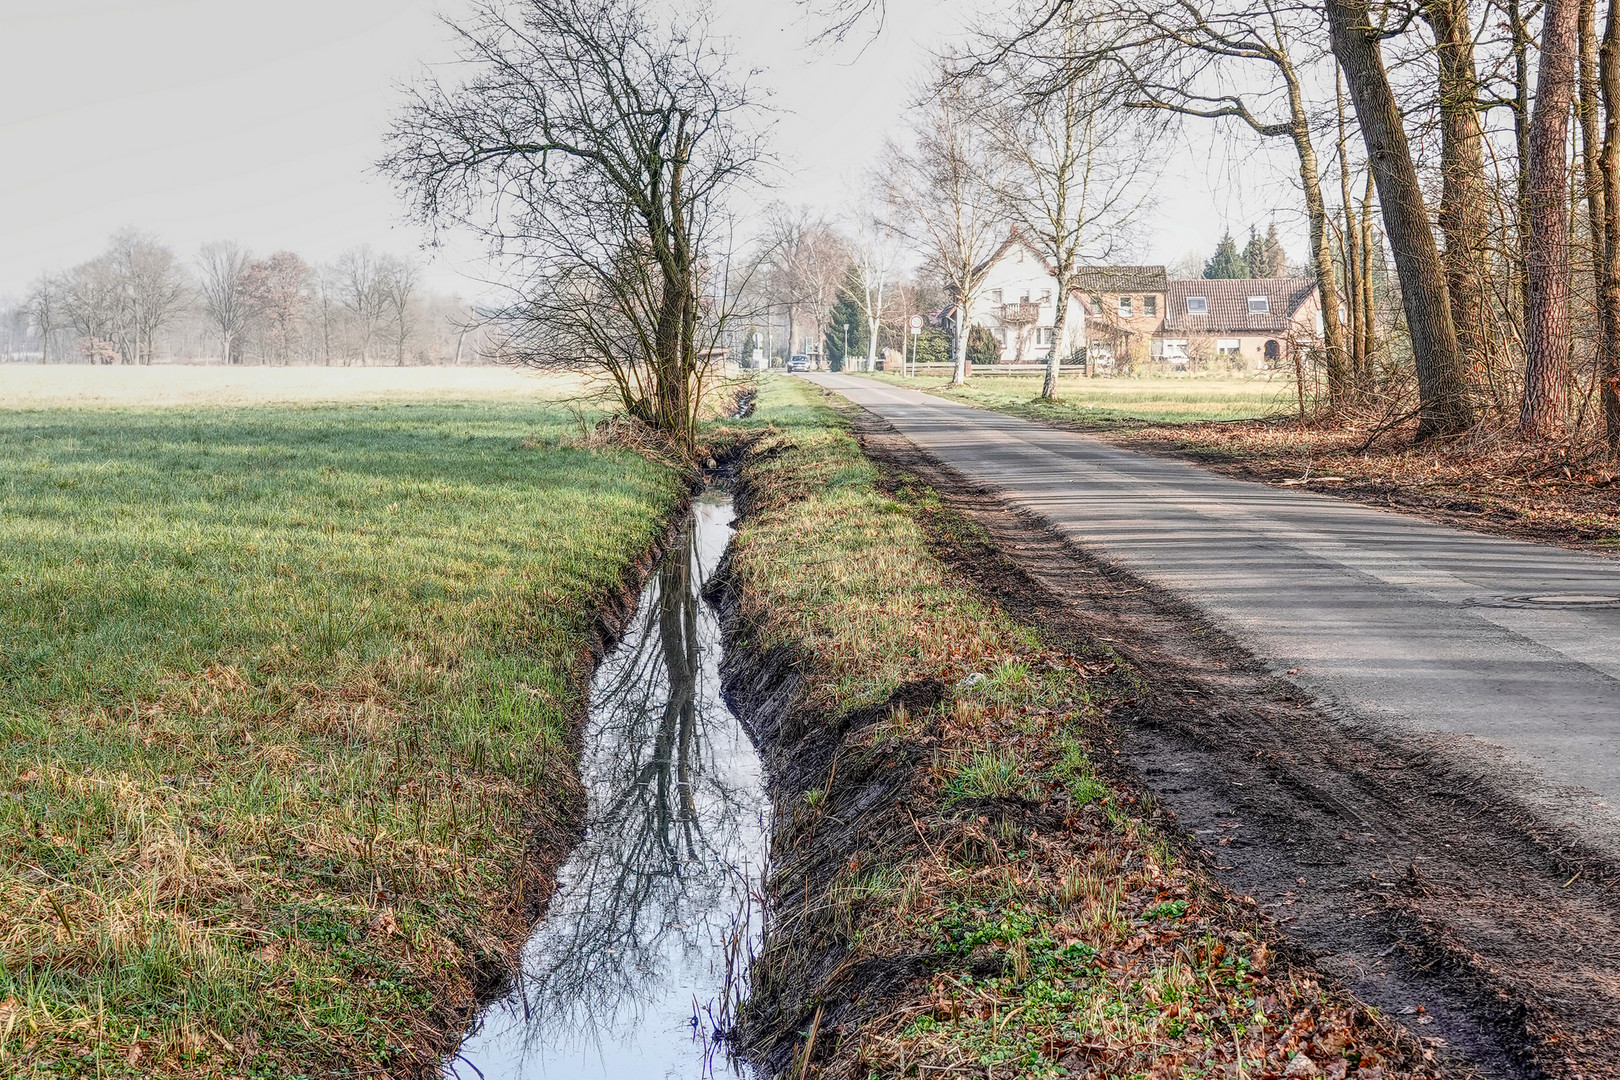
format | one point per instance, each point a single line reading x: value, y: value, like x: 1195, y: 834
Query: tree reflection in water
x: 626, y: 974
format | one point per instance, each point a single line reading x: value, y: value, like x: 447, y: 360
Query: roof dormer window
x: 1197, y: 305
x: 1259, y: 305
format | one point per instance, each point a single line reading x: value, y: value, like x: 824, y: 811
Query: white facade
x: 1017, y: 302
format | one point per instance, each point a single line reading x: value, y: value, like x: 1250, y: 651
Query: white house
x: 1017, y: 303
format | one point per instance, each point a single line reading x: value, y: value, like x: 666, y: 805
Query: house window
x: 1197, y: 305
x: 1150, y: 305
x: 1046, y: 296
x: 1228, y: 346
x: 1124, y: 307
x: 1259, y: 305
x: 995, y: 296
x: 1043, y: 335
x: 1024, y: 299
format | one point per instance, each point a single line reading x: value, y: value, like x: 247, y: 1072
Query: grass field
x: 285, y: 699
x: 1111, y: 401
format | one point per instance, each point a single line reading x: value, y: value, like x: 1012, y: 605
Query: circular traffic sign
x: 916, y: 322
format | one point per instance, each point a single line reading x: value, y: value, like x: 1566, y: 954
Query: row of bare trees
x: 1482, y: 135
x: 138, y: 300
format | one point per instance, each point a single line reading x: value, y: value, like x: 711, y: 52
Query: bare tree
x: 223, y: 267
x: 872, y: 273
x: 944, y: 196
x: 153, y: 290
x: 1544, y: 409
x: 596, y: 147
x: 360, y: 292
x: 277, y: 289
x: 44, y: 308
x: 399, y: 280
x: 1074, y: 159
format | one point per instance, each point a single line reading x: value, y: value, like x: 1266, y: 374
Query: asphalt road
x: 1388, y: 619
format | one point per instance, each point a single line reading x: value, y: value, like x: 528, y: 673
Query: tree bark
x: 959, y: 370
x: 1519, y: 31
x: 1443, y: 407
x: 1054, y: 355
x: 1609, y: 292
x: 1544, y: 410
x: 1339, y: 382
x: 1464, y: 195
x: 1351, y: 247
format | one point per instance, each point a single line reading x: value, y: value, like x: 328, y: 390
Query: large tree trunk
x: 1351, y: 246
x: 1609, y: 294
x: 1443, y: 406
x: 1464, y: 195
x: 1545, y: 408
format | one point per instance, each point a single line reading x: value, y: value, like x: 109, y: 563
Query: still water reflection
x: 627, y: 975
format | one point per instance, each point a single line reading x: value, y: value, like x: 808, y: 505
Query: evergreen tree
x: 1227, y: 262
x: 846, y: 312
x: 1254, y: 256
x: 981, y: 346
x: 1276, y: 259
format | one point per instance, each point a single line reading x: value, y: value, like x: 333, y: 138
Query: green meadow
x: 1112, y: 401
x: 286, y: 696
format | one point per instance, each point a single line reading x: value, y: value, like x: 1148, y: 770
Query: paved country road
x: 1496, y: 651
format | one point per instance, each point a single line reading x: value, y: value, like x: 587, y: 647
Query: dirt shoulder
x: 1497, y: 944
x: 966, y: 878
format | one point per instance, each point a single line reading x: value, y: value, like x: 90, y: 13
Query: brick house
x: 1123, y: 316
x: 1250, y: 323
x: 1124, y: 310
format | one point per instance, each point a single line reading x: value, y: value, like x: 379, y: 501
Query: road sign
x: 916, y: 324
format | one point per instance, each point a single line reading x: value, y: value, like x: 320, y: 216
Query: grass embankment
x: 287, y: 698
x: 1114, y: 402
x: 956, y: 890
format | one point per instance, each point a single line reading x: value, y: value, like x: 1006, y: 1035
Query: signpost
x: 916, y: 330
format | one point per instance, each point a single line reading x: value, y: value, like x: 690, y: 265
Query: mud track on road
x: 1421, y: 888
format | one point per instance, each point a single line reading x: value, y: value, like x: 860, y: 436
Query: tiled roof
x: 1119, y: 279
x: 1228, y: 303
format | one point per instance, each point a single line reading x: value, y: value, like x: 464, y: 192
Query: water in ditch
x: 632, y: 972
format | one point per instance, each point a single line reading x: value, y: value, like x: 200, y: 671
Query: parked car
x: 799, y: 362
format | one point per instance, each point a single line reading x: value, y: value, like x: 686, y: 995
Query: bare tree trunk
x: 1519, y: 29
x: 1464, y: 213
x: 1545, y: 408
x: 959, y: 371
x: 1442, y: 383
x: 1339, y: 382
x: 1054, y: 356
x: 1351, y: 245
x: 1366, y: 298
x: 1609, y: 292
x: 1592, y: 172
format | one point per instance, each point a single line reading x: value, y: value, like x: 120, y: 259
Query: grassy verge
x: 286, y: 717
x: 1110, y: 403
x: 956, y: 889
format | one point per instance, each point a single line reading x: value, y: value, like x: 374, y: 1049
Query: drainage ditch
x: 636, y: 967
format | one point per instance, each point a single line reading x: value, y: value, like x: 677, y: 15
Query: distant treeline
x: 139, y: 302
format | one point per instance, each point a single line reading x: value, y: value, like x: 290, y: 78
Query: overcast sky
x: 258, y: 121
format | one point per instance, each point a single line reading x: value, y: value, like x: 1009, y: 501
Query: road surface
x: 1499, y: 654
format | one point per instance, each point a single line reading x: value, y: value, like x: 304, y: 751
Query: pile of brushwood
x: 959, y: 886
